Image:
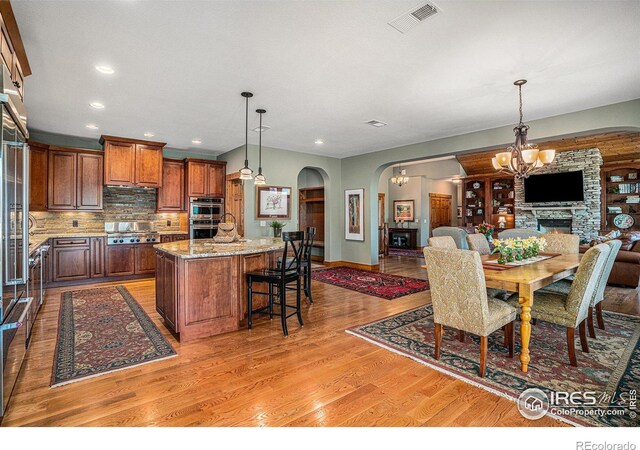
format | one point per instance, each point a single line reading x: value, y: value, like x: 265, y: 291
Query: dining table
x: 524, y: 280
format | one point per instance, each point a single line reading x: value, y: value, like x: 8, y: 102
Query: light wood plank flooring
x: 318, y: 376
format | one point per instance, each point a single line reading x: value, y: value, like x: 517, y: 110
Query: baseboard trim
x: 352, y: 265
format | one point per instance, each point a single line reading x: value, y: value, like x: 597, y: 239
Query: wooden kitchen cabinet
x: 71, y: 259
x: 132, y: 162
x: 97, y: 257
x: 166, y: 290
x: 145, y: 259
x: 120, y: 260
x: 206, y: 178
x: 170, y: 197
x: 38, y: 168
x: 74, y: 180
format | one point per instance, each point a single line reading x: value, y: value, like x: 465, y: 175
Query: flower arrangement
x: 486, y: 229
x: 517, y: 249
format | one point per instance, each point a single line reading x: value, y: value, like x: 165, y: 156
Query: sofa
x: 626, y: 269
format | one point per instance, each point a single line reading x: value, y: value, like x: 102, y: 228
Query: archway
x: 312, y: 207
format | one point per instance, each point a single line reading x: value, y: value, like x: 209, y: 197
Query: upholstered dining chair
x: 571, y: 310
x: 522, y: 233
x: 478, y: 242
x: 459, y: 299
x: 562, y: 243
x: 564, y: 286
x: 458, y: 234
x: 442, y: 242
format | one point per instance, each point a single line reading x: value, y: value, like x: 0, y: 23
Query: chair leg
x: 484, y: 341
x: 571, y: 343
x: 299, y: 302
x: 461, y: 335
x: 438, y: 329
x: 283, y: 308
x: 599, y: 316
x: 592, y: 330
x: 249, y: 303
x: 583, y: 336
x: 307, y: 279
x: 270, y: 301
x: 534, y: 321
x: 509, y: 336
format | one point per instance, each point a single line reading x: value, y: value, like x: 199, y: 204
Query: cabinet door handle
x: 71, y: 242
x: 16, y: 84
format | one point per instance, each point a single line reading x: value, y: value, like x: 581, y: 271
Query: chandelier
x: 522, y: 158
x: 401, y: 179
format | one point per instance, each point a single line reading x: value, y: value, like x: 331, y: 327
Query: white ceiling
x: 320, y: 68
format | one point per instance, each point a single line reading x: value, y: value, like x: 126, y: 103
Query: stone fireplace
x: 554, y: 225
x: 582, y: 218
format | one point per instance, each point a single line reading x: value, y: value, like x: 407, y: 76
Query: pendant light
x: 260, y: 179
x: 401, y: 179
x: 245, y: 172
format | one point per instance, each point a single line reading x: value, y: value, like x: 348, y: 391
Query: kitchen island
x: 201, y: 287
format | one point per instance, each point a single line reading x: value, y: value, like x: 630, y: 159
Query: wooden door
x: 38, y: 167
x: 120, y: 260
x: 171, y: 194
x: 235, y: 200
x: 215, y: 180
x: 119, y: 162
x: 97, y: 257
x: 71, y: 263
x: 89, y: 182
x: 148, y: 166
x: 197, y: 179
x: 62, y: 180
x: 145, y: 261
x: 439, y: 210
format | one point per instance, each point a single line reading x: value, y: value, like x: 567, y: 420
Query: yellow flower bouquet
x: 517, y: 249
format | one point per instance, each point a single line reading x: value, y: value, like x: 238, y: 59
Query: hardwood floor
x: 318, y: 376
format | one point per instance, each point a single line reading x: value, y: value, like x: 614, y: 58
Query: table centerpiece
x: 518, y: 249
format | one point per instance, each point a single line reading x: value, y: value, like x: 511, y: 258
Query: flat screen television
x: 554, y: 188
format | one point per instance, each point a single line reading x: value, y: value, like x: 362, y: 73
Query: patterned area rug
x: 406, y: 253
x: 611, y: 369
x: 101, y: 331
x: 377, y: 284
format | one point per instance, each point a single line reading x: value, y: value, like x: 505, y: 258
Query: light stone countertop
x: 208, y: 248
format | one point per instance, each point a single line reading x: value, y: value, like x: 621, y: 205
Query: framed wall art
x: 354, y: 214
x: 403, y: 210
x: 273, y: 202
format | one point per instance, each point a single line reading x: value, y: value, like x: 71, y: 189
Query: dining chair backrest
x: 478, y: 242
x: 456, y: 233
x: 562, y: 243
x: 458, y: 288
x: 522, y: 233
x: 585, y: 283
x: 614, y: 247
x: 292, y: 252
x: 442, y: 242
x: 310, y: 235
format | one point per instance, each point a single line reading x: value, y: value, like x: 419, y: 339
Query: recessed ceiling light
x: 264, y: 128
x: 319, y: 141
x: 375, y: 123
x: 196, y: 141
x: 105, y: 69
x: 96, y: 105
x: 147, y: 134
x: 92, y: 126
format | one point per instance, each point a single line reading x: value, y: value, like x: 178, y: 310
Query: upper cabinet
x: 12, y: 49
x: 206, y: 178
x: 171, y: 194
x: 132, y: 162
x: 38, y: 167
x: 74, y: 180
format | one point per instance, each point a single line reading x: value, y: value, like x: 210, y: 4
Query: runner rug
x: 377, y: 284
x: 101, y: 331
x: 611, y: 369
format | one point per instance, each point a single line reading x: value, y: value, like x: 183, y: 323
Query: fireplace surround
x: 554, y: 225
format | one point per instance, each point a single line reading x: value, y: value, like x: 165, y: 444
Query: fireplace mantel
x: 536, y: 209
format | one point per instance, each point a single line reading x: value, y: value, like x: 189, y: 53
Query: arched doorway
x: 312, y: 206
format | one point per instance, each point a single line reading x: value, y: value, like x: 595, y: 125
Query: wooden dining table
x: 525, y: 280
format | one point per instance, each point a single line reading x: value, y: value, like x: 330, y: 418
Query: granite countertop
x: 208, y: 248
x: 169, y: 233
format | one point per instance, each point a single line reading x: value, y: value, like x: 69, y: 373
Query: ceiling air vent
x: 413, y: 17
x: 375, y: 123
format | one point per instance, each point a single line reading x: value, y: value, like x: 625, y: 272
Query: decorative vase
x: 510, y: 257
x: 518, y: 256
x: 277, y: 232
x: 502, y: 259
x: 489, y: 237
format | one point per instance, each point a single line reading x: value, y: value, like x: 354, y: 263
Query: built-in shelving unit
x: 486, y: 199
x: 620, y: 195
x: 311, y: 212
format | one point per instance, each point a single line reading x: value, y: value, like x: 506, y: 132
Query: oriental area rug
x: 406, y: 253
x: 101, y: 331
x: 611, y: 369
x: 377, y: 284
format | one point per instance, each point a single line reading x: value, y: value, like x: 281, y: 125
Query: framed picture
x: 403, y: 210
x: 459, y: 212
x: 354, y: 214
x: 273, y: 202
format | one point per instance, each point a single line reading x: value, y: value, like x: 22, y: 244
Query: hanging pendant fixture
x: 522, y: 158
x: 246, y: 172
x: 260, y: 179
x: 401, y: 179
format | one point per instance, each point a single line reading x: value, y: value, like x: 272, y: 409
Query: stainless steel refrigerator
x: 14, y: 242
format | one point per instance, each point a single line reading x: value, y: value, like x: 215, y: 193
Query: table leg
x: 526, y: 301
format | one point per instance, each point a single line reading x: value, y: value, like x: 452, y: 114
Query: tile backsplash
x: 121, y: 204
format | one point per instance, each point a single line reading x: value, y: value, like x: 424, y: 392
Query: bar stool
x: 306, y: 261
x: 278, y: 279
